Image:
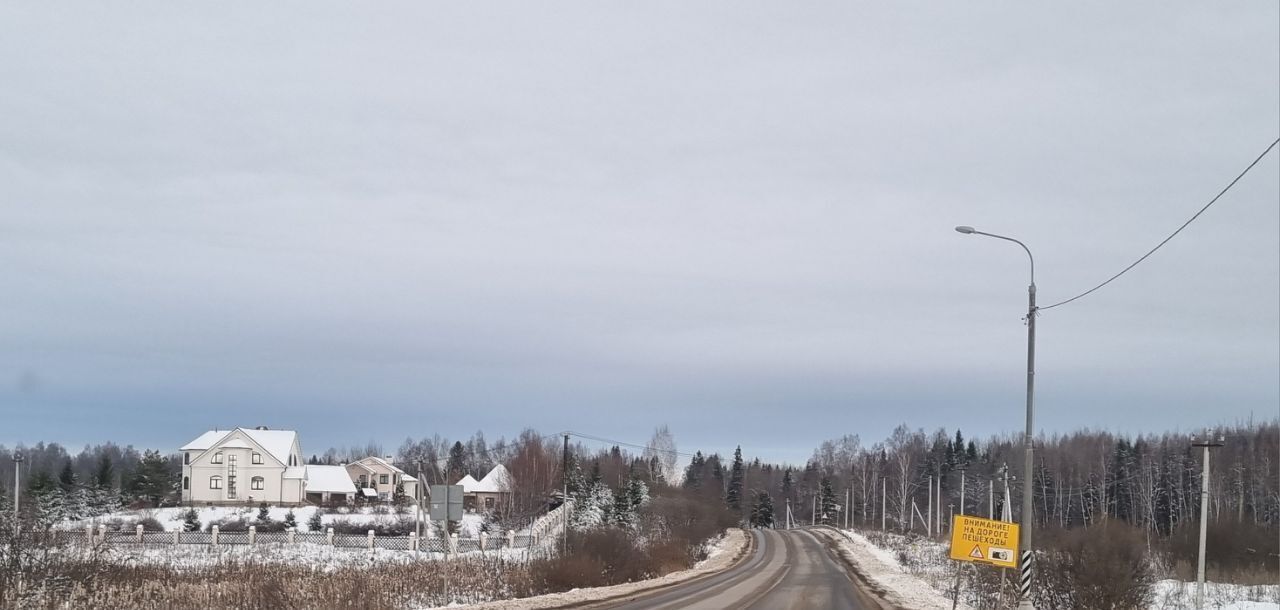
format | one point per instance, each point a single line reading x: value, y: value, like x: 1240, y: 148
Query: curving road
x: 787, y: 570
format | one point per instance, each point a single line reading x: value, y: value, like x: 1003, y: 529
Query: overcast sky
x: 366, y: 221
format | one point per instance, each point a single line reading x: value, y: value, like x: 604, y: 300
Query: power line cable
x: 1166, y: 240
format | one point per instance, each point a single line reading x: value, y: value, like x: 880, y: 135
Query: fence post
x: 453, y: 543
x: 177, y: 536
x: 483, y: 539
x: 371, y: 539
x: 102, y: 533
x: 413, y: 541
x: 329, y: 536
x: 214, y: 530
x: 293, y: 533
x: 511, y: 539
x: 253, y: 534
x: 88, y: 534
x: 139, y: 530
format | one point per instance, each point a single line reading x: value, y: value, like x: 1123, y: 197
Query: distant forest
x: 1082, y: 479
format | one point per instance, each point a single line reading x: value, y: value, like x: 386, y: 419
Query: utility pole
x: 565, y: 502
x: 991, y: 499
x: 928, y: 518
x: 962, y: 490
x: 937, y: 527
x: 1208, y: 442
x: 813, y: 516
x: 417, y: 513
x: 17, y: 487
x: 883, y: 503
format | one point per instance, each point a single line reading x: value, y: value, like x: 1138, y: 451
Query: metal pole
x: 1028, y: 517
x: 991, y: 499
x: 962, y: 491
x: 565, y: 503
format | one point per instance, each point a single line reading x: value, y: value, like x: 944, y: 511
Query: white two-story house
x: 244, y: 465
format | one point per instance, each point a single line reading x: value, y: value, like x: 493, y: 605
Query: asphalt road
x: 787, y: 570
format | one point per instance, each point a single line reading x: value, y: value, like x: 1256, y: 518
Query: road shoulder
x: 737, y: 546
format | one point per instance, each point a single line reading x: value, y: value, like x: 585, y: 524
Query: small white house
x: 380, y: 477
x: 490, y: 493
x: 244, y: 465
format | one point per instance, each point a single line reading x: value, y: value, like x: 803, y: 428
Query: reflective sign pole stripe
x: 1026, y: 574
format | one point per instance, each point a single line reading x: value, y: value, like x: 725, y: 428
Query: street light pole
x: 1209, y: 441
x: 1028, y: 518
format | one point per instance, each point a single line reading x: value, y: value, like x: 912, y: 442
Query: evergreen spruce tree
x: 191, y: 520
x: 788, y: 484
x: 457, y: 461
x: 694, y: 473
x: 104, y: 476
x: 622, y: 514
x: 762, y: 510
x: 733, y: 497
x: 290, y: 521
x: 637, y: 492
x: 152, y: 481
x: 398, y: 497
x: 264, y: 512
x: 315, y: 523
x: 827, y: 503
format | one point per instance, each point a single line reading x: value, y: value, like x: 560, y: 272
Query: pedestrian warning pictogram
x: 976, y: 553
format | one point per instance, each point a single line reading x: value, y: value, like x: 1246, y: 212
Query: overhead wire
x: 1171, y: 235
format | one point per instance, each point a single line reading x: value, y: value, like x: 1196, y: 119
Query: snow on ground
x: 317, y: 556
x: 717, y: 547
x: 922, y: 582
x: 171, y: 518
x: 731, y: 546
x: 1179, y: 595
x: 922, y: 587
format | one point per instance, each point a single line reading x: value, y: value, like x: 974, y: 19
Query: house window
x: 186, y: 483
x: 217, y: 458
x: 382, y: 479
x: 257, y: 457
x: 488, y: 503
x: 186, y: 458
x: 255, y: 483
x: 215, y: 482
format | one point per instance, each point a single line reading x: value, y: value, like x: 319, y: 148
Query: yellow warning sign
x: 984, y: 541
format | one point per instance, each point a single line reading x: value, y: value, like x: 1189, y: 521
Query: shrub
x: 1093, y: 568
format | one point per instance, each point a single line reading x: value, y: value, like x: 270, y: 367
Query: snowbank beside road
x: 882, y: 570
x: 722, y: 554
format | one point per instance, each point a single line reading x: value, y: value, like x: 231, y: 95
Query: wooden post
x: 370, y: 539
x: 139, y: 531
x: 214, y: 530
x: 253, y: 534
x: 329, y: 536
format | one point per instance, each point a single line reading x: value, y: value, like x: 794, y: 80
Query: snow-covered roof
x: 369, y: 492
x: 332, y: 479
x: 204, y: 441
x: 497, y: 481
x: 277, y: 443
x: 295, y: 472
x: 235, y: 443
x: 378, y: 460
x: 409, y: 479
x: 468, y: 484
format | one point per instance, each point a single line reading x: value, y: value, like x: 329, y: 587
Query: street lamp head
x: 964, y: 229
x: 17, y: 457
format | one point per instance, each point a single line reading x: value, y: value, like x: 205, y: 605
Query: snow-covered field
x: 917, y: 574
